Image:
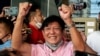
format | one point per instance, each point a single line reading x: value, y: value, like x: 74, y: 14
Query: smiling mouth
x: 53, y: 37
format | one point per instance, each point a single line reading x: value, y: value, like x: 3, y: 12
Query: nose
x: 52, y: 31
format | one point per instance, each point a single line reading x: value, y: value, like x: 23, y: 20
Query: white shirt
x: 93, y: 40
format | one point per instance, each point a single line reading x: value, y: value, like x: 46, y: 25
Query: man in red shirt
x: 35, y: 18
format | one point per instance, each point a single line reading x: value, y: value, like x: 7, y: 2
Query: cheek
x: 1, y: 35
x: 45, y: 34
x: 59, y: 33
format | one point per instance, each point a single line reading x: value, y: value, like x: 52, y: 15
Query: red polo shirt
x: 36, y: 35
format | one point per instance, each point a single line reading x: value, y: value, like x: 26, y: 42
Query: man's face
x: 53, y: 33
x: 3, y: 32
x: 39, y: 15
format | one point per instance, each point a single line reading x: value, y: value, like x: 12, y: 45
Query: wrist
x: 20, y: 16
x: 70, y: 25
x: 68, y: 21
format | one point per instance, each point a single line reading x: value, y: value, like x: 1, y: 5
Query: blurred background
x: 48, y: 7
x: 86, y: 15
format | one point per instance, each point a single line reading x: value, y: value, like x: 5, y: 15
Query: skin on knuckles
x: 24, y: 8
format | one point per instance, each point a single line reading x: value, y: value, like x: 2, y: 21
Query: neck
x: 33, y: 24
x: 54, y: 46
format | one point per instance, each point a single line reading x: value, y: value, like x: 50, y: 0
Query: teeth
x: 53, y: 37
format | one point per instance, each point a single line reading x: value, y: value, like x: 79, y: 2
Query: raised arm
x: 65, y: 13
x: 17, y: 34
x: 79, y: 44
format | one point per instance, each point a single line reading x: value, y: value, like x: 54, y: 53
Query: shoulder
x: 68, y: 48
x: 68, y: 44
x: 35, y: 46
x: 94, y: 35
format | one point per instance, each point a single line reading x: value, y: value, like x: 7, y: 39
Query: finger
x: 13, y: 18
x: 29, y: 6
x: 65, y: 8
x: 7, y: 7
x: 23, y: 30
x: 72, y: 8
x: 60, y: 10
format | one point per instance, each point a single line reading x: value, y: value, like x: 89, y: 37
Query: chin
x: 53, y: 42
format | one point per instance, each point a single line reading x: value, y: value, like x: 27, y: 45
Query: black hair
x: 7, y: 52
x: 33, y: 8
x: 53, y: 18
x: 4, y: 53
x: 8, y: 24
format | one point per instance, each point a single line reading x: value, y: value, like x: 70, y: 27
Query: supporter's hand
x: 5, y: 9
x: 24, y: 8
x: 3, y: 12
x: 65, y: 11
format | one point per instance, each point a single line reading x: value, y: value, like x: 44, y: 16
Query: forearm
x: 75, y: 36
x: 17, y: 35
x: 90, y: 50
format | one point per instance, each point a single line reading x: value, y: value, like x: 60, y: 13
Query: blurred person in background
x: 93, y: 40
x: 2, y: 14
x: 35, y: 19
x: 6, y: 28
x: 9, y: 52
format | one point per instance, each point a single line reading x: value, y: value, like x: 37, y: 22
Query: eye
x: 47, y: 28
x: 57, y: 28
